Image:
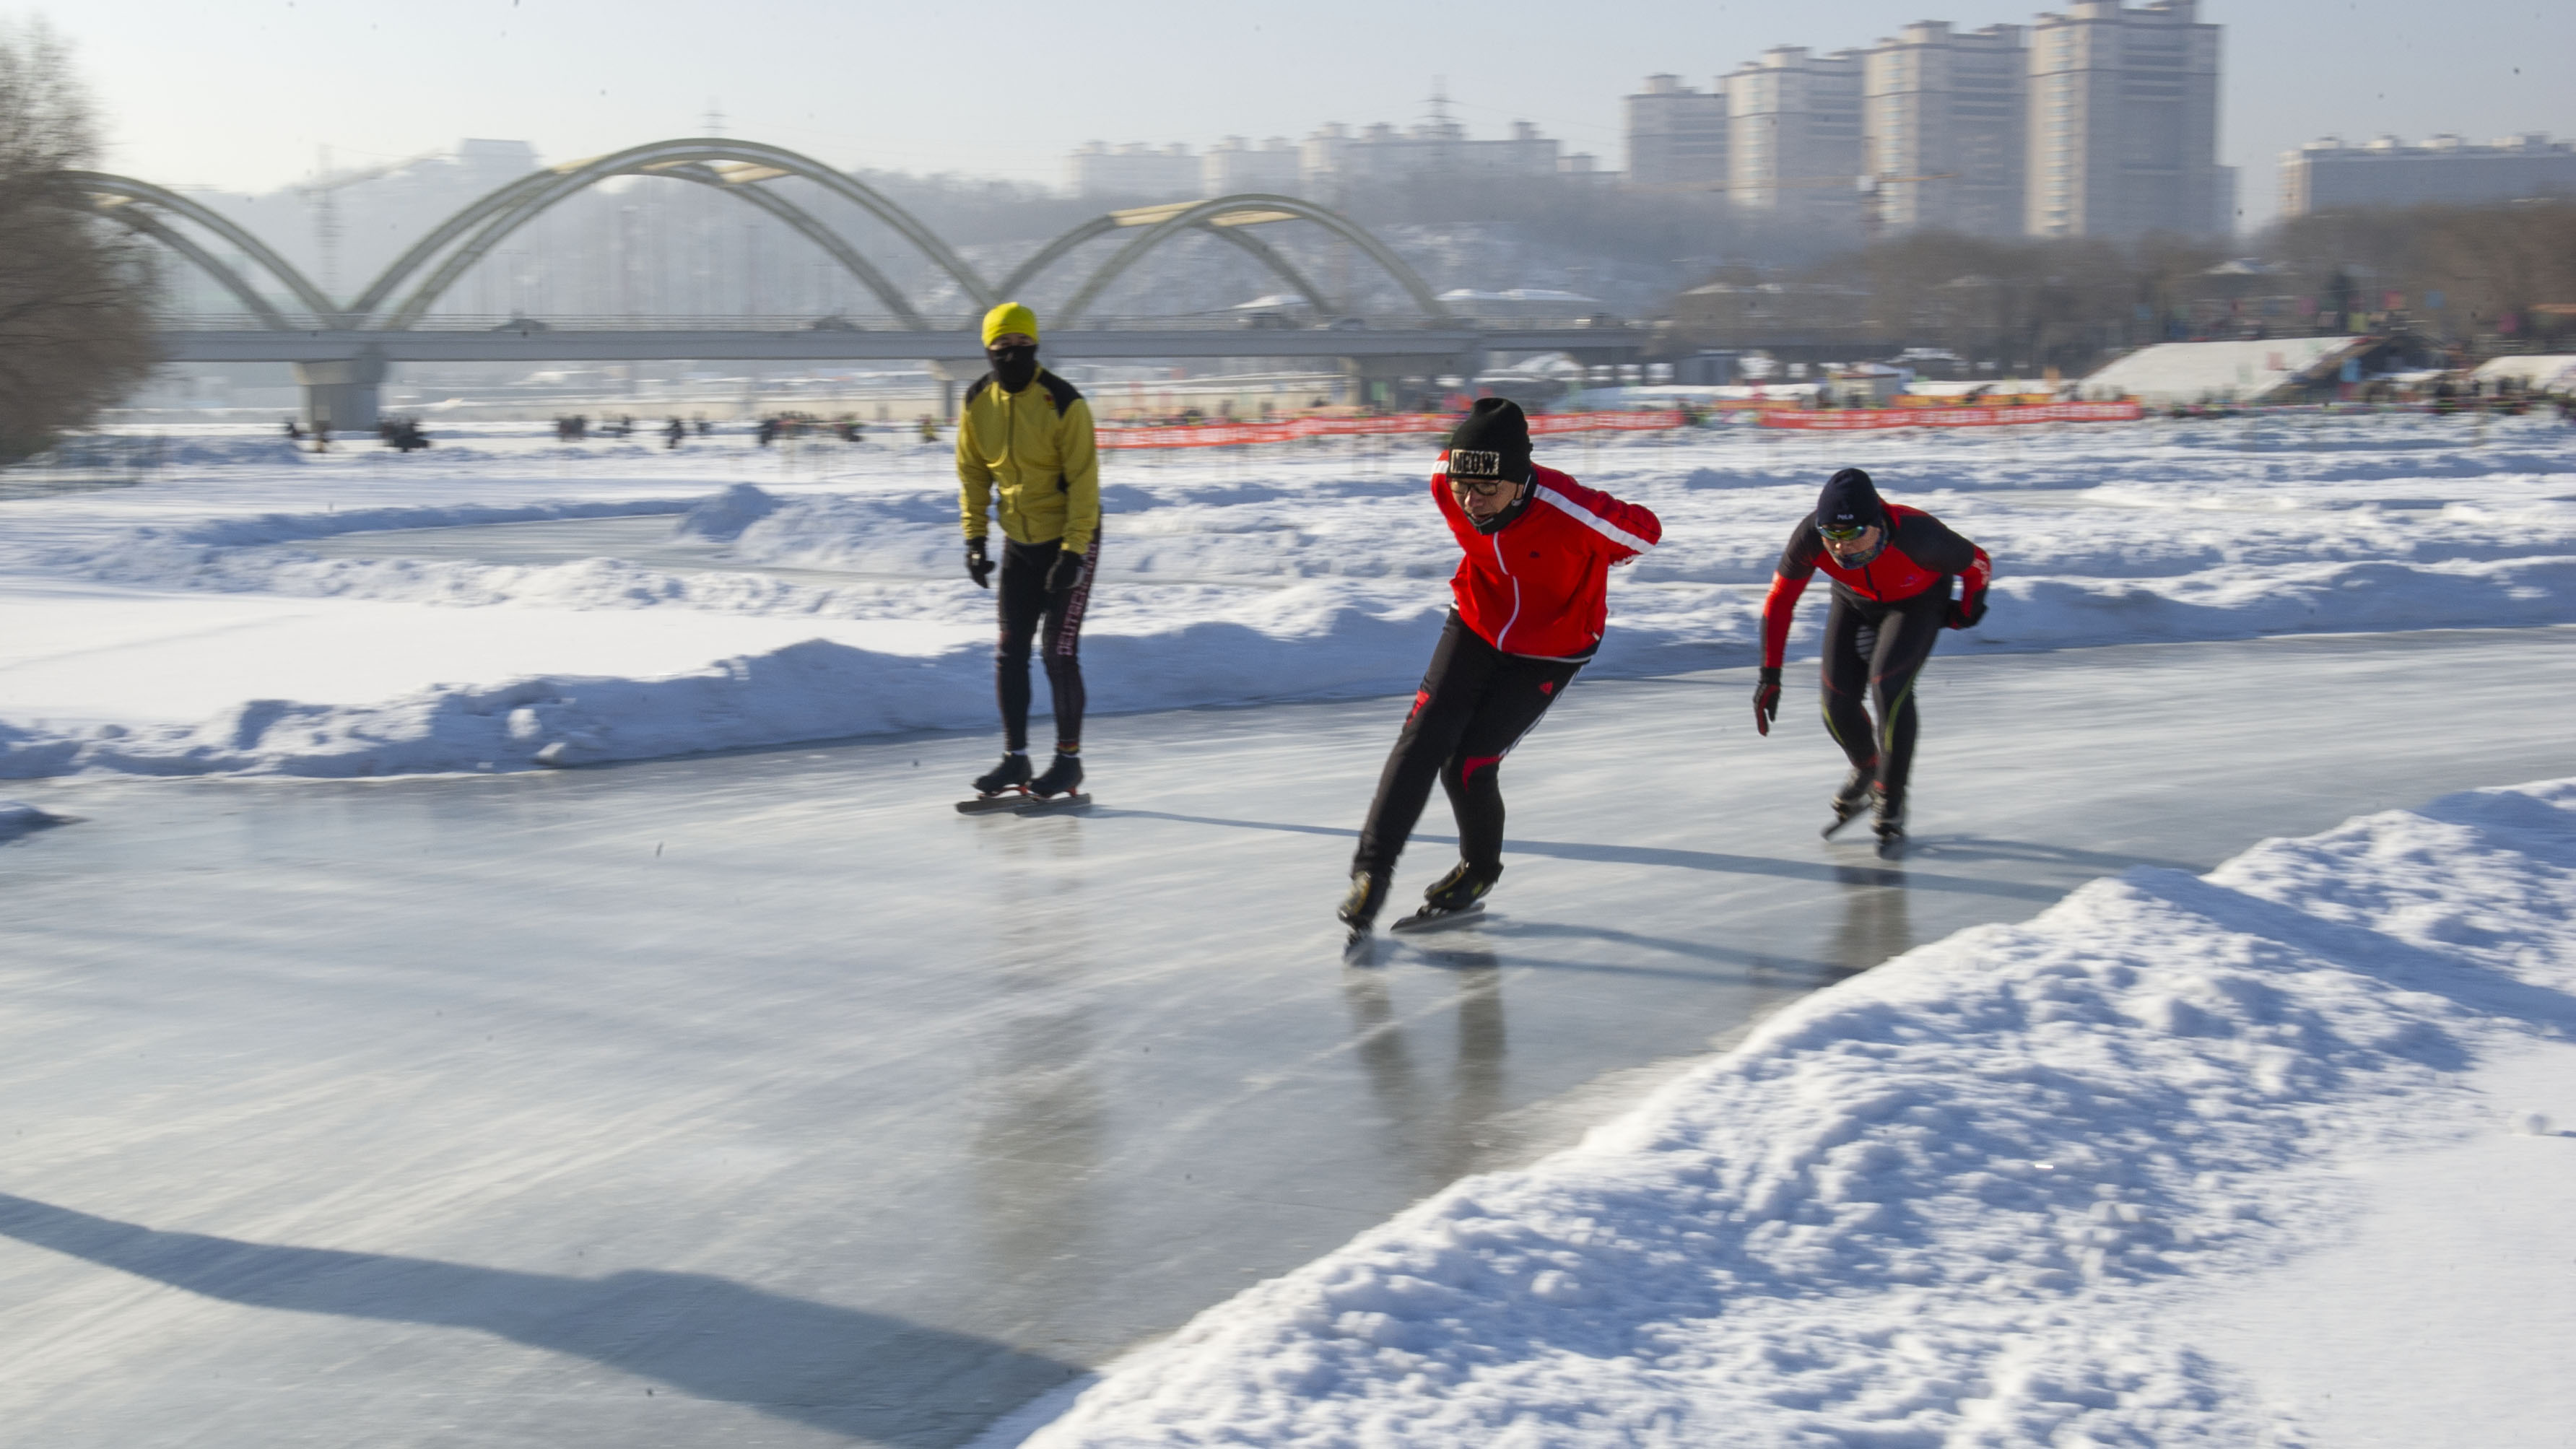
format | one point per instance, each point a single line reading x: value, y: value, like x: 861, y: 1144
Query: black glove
x: 978, y: 567
x: 1065, y: 572
x: 1964, y: 613
x: 1766, y: 699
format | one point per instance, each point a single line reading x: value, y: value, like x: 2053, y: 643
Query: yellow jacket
x: 1036, y: 445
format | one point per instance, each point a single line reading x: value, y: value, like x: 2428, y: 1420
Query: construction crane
x: 321, y: 192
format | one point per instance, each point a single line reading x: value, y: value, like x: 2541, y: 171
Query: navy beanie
x: 1850, y: 501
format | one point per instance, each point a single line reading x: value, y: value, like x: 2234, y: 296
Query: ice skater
x: 1891, y: 566
x: 1025, y: 450
x: 1531, y: 597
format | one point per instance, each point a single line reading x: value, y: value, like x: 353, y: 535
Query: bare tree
x: 75, y: 299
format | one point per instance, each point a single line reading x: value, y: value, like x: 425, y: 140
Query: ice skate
x: 1004, y: 787
x: 1459, y: 893
x: 1057, y: 789
x: 1850, y: 800
x: 1890, y: 825
x: 1366, y: 897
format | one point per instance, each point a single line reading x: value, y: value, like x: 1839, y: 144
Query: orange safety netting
x: 1857, y: 419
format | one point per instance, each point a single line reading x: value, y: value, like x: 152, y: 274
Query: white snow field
x: 733, y: 1090
x: 268, y: 611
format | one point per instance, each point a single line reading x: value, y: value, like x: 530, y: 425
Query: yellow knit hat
x: 1009, y: 317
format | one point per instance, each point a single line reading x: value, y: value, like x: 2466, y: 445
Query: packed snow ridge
x: 1308, y: 571
x: 1970, y: 1197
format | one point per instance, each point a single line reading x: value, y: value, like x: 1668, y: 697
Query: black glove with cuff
x: 1964, y: 613
x: 1065, y: 572
x: 978, y: 567
x: 1766, y: 698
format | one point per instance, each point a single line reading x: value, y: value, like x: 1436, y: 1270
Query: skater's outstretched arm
x: 1788, y: 581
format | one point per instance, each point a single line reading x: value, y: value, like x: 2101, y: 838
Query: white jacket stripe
x: 1592, y: 520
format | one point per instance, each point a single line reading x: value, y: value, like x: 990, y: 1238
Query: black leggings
x: 1879, y: 648
x: 1024, y: 602
x: 1475, y: 704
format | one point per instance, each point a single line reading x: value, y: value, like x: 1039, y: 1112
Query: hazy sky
x: 242, y: 93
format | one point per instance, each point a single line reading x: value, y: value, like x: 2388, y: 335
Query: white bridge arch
x: 400, y: 296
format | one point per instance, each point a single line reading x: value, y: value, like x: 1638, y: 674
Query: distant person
x: 1025, y: 451
x: 674, y: 433
x: 705, y: 429
x: 767, y: 430
x: 1532, y: 600
x: 294, y: 434
x: 1891, y: 568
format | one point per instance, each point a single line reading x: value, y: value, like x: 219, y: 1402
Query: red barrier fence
x: 1857, y: 419
x: 1236, y: 435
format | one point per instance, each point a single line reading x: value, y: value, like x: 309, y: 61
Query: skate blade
x: 1053, y: 805
x: 994, y: 804
x: 1891, y: 847
x: 1360, y: 947
x: 1427, y: 919
x: 1835, y: 828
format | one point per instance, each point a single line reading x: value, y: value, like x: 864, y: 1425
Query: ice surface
x: 901, y: 1117
x: 758, y: 1099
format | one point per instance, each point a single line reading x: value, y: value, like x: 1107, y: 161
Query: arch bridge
x: 340, y: 349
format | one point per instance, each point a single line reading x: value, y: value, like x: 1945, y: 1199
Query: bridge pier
x: 1381, y: 378
x: 344, y: 395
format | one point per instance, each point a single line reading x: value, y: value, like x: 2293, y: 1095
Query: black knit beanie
x: 1494, y: 442
x: 1850, y: 500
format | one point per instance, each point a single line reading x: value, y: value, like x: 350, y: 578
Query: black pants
x: 1475, y: 704
x: 1879, y: 648
x: 1025, y: 604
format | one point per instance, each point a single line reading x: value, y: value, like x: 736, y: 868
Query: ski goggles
x: 1842, y: 533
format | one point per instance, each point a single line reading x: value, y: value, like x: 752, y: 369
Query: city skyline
x: 870, y: 91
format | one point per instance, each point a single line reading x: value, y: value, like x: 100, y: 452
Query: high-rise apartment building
x: 1942, y: 117
x: 1676, y: 135
x: 2123, y: 128
x: 1793, y: 137
x: 2323, y: 175
x: 1235, y: 165
x: 1335, y: 159
x: 1135, y: 169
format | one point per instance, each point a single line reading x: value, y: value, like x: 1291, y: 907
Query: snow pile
x: 1956, y: 1200
x: 816, y: 690
x: 18, y: 819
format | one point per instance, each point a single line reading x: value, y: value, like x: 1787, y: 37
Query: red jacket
x: 1919, y: 553
x: 1539, y: 585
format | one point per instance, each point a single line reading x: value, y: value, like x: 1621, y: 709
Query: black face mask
x: 1013, y: 367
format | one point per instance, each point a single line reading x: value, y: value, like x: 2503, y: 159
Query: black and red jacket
x: 1539, y: 585
x: 1919, y: 553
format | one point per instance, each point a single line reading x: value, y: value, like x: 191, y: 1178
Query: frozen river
x: 759, y: 1099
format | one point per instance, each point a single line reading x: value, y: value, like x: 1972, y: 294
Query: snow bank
x: 17, y: 819
x: 1945, y: 1202
x: 815, y: 690
x: 179, y: 555
x: 1278, y: 574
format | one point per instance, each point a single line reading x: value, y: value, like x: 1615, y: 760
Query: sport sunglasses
x: 1842, y: 533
